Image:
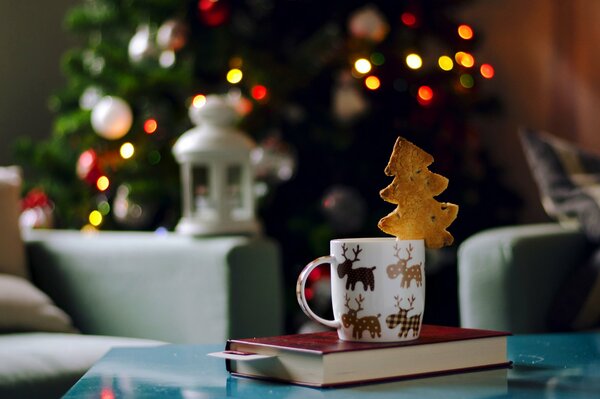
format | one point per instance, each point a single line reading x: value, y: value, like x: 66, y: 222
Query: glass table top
x: 544, y: 366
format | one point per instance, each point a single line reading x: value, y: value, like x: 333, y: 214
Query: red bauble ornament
x: 213, y: 12
x: 88, y: 167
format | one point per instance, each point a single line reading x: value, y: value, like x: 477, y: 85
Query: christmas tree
x: 324, y: 88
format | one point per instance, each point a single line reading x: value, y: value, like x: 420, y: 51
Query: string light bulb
x: 409, y: 19
x: 465, y: 59
x: 445, y: 63
x: 199, y: 101
x: 259, y: 92
x: 234, y: 75
x: 95, y: 218
x: 127, y: 150
x: 425, y: 95
x: 362, y: 65
x: 487, y: 71
x: 467, y: 81
x: 150, y: 126
x: 102, y: 183
x: 372, y: 82
x: 465, y: 32
x: 414, y: 61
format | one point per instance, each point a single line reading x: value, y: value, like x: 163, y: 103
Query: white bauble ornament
x: 368, y: 23
x: 172, y: 35
x: 348, y: 101
x: 141, y: 46
x: 111, y: 117
x: 90, y: 97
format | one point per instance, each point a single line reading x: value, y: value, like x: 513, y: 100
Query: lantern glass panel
x: 235, y: 193
x: 204, y: 206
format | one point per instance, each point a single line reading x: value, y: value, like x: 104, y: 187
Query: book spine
x: 228, y: 361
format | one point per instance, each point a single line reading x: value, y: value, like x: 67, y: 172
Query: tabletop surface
x: 549, y: 365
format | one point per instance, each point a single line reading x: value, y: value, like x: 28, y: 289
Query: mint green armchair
x: 138, y: 288
x: 166, y: 287
x: 509, y: 276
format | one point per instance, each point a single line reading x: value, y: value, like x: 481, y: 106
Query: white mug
x: 377, y: 288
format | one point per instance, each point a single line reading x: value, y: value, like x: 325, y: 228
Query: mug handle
x: 301, y: 283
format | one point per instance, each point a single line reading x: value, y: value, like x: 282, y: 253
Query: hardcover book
x: 322, y: 360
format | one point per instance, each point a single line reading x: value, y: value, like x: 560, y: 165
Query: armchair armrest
x: 166, y: 287
x: 509, y: 276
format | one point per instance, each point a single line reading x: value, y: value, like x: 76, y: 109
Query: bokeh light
x: 467, y: 81
x: 127, y: 150
x: 445, y: 63
x: 259, y: 92
x: 465, y: 59
x: 372, y: 82
x: 104, y: 208
x: 377, y: 59
x: 234, y: 76
x: 102, y: 183
x: 414, y: 61
x: 465, y: 32
x: 362, y: 65
x: 425, y: 95
x: 95, y: 218
x: 409, y: 19
x: 150, y: 126
x: 199, y: 101
x: 487, y: 71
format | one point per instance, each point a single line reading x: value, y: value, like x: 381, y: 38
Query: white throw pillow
x: 23, y: 307
x: 12, y: 249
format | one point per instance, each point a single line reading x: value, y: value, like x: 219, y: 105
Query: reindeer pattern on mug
x: 361, y: 281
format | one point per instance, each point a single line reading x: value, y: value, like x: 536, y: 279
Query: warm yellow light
x: 95, y: 218
x: 362, y: 65
x: 372, y: 82
x: 102, y: 183
x: 127, y: 150
x: 445, y: 63
x: 89, y: 229
x: 465, y: 59
x: 234, y: 76
x: 414, y: 61
x: 199, y: 101
x: 465, y: 32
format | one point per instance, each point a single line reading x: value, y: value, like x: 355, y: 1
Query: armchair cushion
x: 23, y: 307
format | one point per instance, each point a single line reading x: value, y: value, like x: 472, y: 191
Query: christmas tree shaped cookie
x: 417, y: 215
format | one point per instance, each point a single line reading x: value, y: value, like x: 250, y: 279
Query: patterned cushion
x: 568, y: 178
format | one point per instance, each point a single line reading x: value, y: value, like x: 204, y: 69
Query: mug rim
x: 371, y: 239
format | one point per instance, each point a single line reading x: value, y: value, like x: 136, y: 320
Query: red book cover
x: 328, y: 342
x: 279, y: 356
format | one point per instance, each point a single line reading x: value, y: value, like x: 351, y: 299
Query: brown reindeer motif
x: 401, y: 268
x: 351, y: 318
x: 362, y: 274
x: 406, y: 323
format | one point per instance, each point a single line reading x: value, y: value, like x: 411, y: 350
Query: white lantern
x: 216, y: 173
